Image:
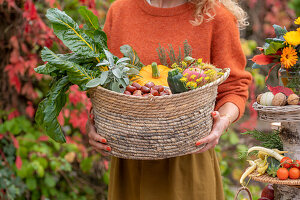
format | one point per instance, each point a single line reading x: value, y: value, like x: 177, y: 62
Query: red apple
x: 268, y: 192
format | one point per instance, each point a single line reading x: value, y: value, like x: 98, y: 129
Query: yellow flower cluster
x: 293, y: 37
x: 297, y: 21
x: 184, y: 64
x: 212, y: 74
x: 191, y: 85
x: 183, y: 79
x: 289, y: 55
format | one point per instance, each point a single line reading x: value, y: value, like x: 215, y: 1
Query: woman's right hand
x: 97, y: 142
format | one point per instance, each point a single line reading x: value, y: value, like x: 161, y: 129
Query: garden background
x: 32, y: 166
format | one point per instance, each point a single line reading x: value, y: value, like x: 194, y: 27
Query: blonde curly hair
x: 205, y: 11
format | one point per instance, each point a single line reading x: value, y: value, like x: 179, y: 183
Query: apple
x: 268, y: 192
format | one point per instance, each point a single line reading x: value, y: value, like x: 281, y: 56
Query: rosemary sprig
x: 268, y: 140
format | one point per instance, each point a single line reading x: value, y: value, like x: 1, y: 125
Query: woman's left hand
x: 220, y: 125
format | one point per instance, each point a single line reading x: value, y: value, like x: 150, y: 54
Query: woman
x: 211, y: 29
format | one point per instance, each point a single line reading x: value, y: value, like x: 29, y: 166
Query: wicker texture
x: 278, y: 113
x: 268, y: 179
x: 151, y: 128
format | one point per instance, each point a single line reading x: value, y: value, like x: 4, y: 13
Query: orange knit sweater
x: 144, y: 27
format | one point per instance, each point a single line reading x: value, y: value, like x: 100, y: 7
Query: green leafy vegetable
x: 273, y: 166
x: 129, y: 52
x: 50, y: 107
x: 91, y: 20
x: 86, y: 66
x: 68, y: 31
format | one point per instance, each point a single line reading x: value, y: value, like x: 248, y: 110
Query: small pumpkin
x: 266, y: 99
x: 157, y: 74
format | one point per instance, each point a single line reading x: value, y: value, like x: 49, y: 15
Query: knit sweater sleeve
x: 108, y: 26
x: 226, y: 52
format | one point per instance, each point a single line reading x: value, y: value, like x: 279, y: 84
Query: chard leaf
x: 45, y: 69
x: 67, y: 30
x: 129, y: 52
x: 89, y: 17
x: 76, y: 58
x: 77, y: 74
x: 100, y: 39
x: 93, y: 83
x: 50, y: 107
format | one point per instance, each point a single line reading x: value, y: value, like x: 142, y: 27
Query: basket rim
x: 275, y: 109
x: 216, y: 82
x: 268, y: 179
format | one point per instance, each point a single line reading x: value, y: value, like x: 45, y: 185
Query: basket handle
x: 241, y: 189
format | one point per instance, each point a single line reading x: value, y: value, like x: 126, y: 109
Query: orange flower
x: 289, y: 57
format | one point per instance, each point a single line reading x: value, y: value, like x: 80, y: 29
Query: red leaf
x: 13, y: 115
x: 16, y: 82
x: 51, y: 3
x: 14, y: 42
x: 43, y: 138
x: 18, y: 162
x: 1, y: 136
x: 262, y: 59
x: 30, y: 110
x: 61, y: 119
x: 284, y: 90
x: 15, y: 141
x: 30, y: 11
x: 106, y: 164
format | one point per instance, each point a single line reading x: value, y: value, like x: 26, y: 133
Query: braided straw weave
x: 151, y: 128
x: 278, y: 113
x: 269, y: 179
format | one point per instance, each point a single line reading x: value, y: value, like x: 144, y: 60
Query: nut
x: 279, y: 99
x: 293, y: 99
x: 258, y: 98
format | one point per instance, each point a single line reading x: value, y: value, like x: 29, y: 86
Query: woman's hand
x: 97, y: 142
x: 220, y: 125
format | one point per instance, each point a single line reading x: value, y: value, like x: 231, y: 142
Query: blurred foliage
x: 42, y: 167
x: 231, y: 166
x: 295, y: 5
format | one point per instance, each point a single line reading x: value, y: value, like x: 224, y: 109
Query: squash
x: 157, y: 74
x: 175, y: 84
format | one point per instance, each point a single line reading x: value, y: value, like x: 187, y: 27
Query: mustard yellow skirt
x: 190, y: 177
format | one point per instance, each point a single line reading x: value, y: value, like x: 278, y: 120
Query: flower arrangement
x: 283, y: 51
x: 191, y: 74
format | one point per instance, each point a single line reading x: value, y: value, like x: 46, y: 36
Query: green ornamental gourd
x: 175, y: 84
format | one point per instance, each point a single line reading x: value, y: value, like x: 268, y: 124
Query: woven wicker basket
x: 269, y: 179
x: 156, y: 127
x: 289, y: 113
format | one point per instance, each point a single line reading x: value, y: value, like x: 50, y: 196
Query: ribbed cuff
x: 235, y: 99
